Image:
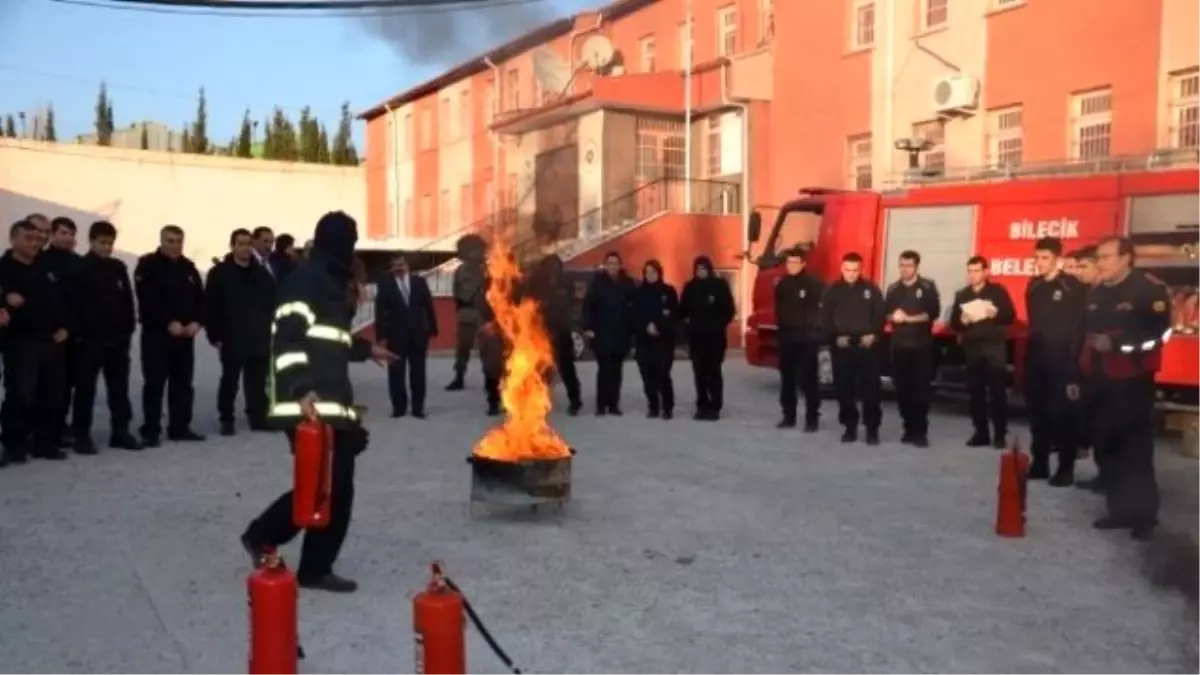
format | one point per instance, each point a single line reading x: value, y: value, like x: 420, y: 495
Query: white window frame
x: 859, y: 162
x: 687, y: 43
x: 514, y: 89
x: 766, y: 22
x: 935, y: 131
x: 727, y: 30
x: 1006, y: 137
x: 863, y: 20
x: 647, y: 54
x: 934, y: 14
x: 1091, y: 124
x: 712, y: 137
x: 1185, y: 109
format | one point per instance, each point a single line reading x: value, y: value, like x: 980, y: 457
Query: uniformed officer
x: 33, y: 350
x: 853, y: 317
x: 311, y: 352
x: 798, y: 314
x: 1126, y: 322
x: 984, y: 337
x: 913, y: 304
x: 655, y: 312
x: 239, y: 306
x: 1054, y: 303
x: 1088, y: 275
x: 61, y: 259
x: 708, y: 307
x: 467, y: 289
x: 555, y: 295
x: 106, y: 319
x: 171, y: 307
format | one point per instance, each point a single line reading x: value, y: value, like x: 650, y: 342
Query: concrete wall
x: 140, y: 191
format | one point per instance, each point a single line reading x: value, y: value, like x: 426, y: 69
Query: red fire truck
x: 1000, y: 220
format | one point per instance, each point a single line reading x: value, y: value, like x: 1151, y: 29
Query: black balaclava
x: 335, y: 237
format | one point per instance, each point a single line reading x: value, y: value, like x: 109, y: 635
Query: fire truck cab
x: 1000, y: 220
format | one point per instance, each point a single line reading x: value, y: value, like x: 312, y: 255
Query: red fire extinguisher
x: 439, y: 628
x: 313, y: 486
x: 274, y: 647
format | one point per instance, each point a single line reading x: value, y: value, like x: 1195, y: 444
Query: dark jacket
x: 989, y: 333
x: 403, y: 323
x: 554, y: 294
x: 64, y: 264
x: 707, y: 304
x: 467, y: 289
x: 1055, y: 309
x: 44, y: 310
x: 920, y: 297
x: 798, y: 307
x: 103, y: 297
x: 312, y: 346
x: 853, y: 310
x: 282, y: 265
x: 168, y: 290
x: 239, y: 307
x: 606, y: 313
x: 490, y: 343
x: 655, y: 304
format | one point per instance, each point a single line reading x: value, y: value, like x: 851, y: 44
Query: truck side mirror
x: 754, y: 227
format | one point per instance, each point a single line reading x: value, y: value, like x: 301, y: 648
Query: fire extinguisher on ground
x: 1012, y: 491
x: 439, y: 628
x: 312, y: 489
x: 272, y: 588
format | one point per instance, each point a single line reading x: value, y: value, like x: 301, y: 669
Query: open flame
x: 524, y: 393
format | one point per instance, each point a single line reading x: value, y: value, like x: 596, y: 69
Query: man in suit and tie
x: 405, y: 321
x: 263, y: 244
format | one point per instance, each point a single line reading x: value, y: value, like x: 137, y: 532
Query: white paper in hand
x: 976, y: 310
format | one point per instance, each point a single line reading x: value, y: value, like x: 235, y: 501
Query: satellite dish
x: 597, y: 52
x: 552, y: 71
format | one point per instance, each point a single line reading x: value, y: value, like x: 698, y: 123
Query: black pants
x: 252, y: 370
x: 31, y: 413
x: 93, y: 359
x: 564, y: 365
x: 610, y: 371
x: 707, y: 353
x: 856, y: 377
x: 168, y: 363
x: 407, y: 374
x: 1053, y: 420
x: 655, y: 359
x: 491, y: 386
x: 275, y: 527
x: 1125, y: 436
x: 70, y: 360
x: 912, y: 377
x: 798, y: 368
x: 464, y: 341
x: 987, y: 388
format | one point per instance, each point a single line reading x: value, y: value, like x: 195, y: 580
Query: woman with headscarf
x: 655, y: 312
x: 708, y: 308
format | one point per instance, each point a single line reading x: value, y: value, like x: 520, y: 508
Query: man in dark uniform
x: 984, y: 337
x: 106, y: 320
x: 853, y: 317
x: 33, y: 354
x: 1083, y: 408
x: 707, y: 306
x: 1126, y: 321
x: 1054, y: 303
x: 606, y: 323
x: 311, y: 351
x: 171, y: 304
x: 556, y: 299
x: 239, y: 307
x: 468, y: 300
x: 43, y: 228
x: 654, y: 313
x: 61, y: 259
x: 913, y: 304
x: 798, y: 314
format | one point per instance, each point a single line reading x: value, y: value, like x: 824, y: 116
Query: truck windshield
x: 794, y: 228
x: 1172, y: 258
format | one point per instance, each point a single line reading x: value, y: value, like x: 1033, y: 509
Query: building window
x: 489, y: 101
x: 1004, y: 137
x: 426, y: 129
x: 514, y: 89
x: 1091, y: 121
x: 510, y: 197
x: 864, y: 24
x: 1185, y: 109
x: 714, y: 146
x: 445, y: 125
x: 646, y: 50
x: 766, y: 21
x: 425, y: 226
x: 935, y: 133
x: 727, y: 31
x: 464, y: 114
x: 408, y: 136
x: 464, y: 203
x: 858, y: 151
x: 936, y: 13
x: 661, y: 149
x: 687, y: 51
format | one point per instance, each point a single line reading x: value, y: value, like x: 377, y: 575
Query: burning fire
x: 524, y: 394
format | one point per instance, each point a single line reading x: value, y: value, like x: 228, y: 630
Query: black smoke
x: 445, y: 36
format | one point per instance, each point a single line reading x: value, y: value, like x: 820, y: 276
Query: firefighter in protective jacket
x: 311, y: 351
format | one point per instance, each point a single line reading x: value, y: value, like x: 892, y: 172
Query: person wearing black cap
x: 311, y: 352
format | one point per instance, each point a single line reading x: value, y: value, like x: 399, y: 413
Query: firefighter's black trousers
x: 93, y: 359
x: 168, y: 363
x: 798, y: 369
x: 1053, y: 420
x: 655, y: 359
x: 856, y: 377
x: 35, y: 374
x: 1124, y: 437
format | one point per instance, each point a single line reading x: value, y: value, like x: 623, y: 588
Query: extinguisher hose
x: 478, y: 623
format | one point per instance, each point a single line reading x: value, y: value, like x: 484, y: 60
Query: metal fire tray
x: 527, y: 483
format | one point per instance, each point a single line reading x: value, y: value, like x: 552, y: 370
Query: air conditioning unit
x: 955, y: 94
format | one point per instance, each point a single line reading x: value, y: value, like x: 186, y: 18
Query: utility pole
x: 687, y: 107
